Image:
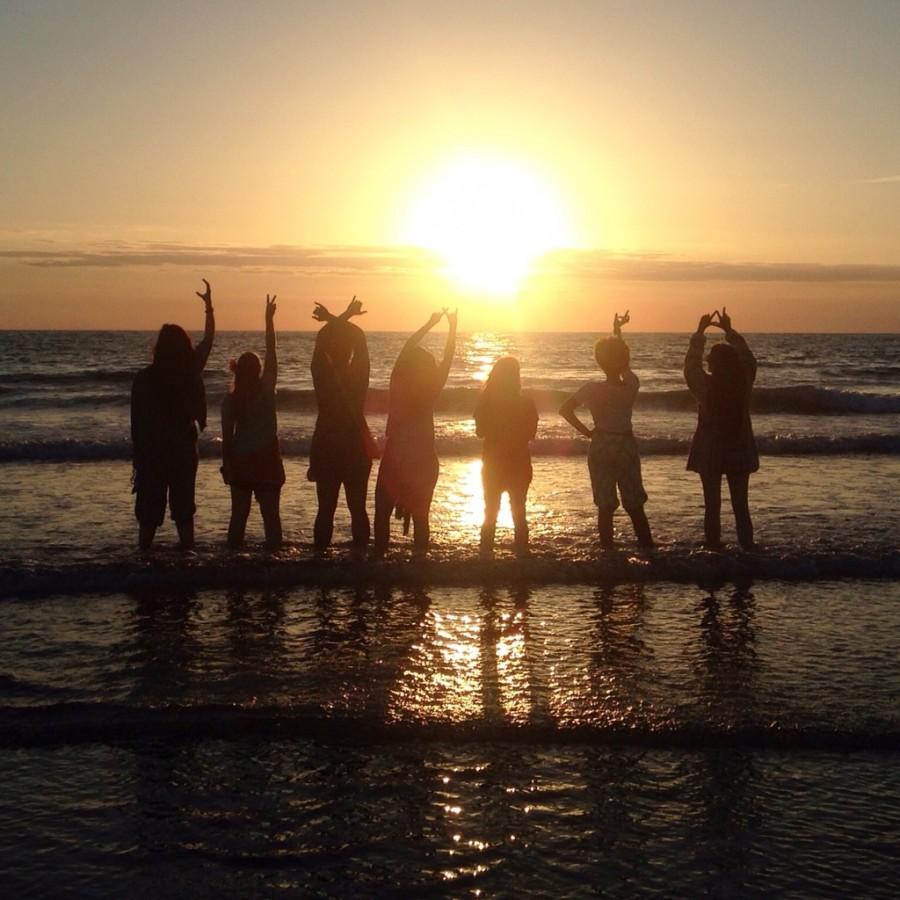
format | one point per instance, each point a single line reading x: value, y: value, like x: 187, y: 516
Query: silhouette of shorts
x: 173, y: 479
x: 614, y: 461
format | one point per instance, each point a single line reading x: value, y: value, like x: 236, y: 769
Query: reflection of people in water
x: 613, y: 460
x: 723, y: 442
x: 342, y: 447
x: 251, y: 457
x: 168, y: 404
x: 409, y: 467
x: 507, y: 420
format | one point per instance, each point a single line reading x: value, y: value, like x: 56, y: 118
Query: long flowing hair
x: 502, y: 389
x: 246, y: 383
x: 174, y: 366
x: 727, y: 391
x: 413, y: 381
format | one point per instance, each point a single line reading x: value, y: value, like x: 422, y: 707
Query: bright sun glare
x: 488, y: 218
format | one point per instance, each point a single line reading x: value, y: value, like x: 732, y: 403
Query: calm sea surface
x: 678, y: 724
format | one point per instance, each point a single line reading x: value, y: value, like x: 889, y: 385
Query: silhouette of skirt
x: 258, y: 468
x: 713, y: 454
x: 407, y: 476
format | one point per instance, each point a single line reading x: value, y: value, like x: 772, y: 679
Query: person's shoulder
x: 142, y: 376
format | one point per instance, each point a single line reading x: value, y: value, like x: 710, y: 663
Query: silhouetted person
x: 613, y: 458
x: 251, y: 456
x: 342, y: 447
x: 507, y: 420
x: 409, y: 466
x: 723, y: 442
x: 168, y: 404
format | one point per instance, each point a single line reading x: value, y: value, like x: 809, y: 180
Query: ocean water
x: 679, y: 723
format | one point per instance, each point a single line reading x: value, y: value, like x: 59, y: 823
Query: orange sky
x: 618, y: 155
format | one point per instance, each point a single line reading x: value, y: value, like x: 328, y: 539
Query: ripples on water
x: 634, y: 740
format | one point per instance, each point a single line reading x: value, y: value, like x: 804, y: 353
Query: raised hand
x: 619, y: 321
x: 354, y: 308
x: 270, y: 307
x: 206, y: 296
x: 321, y: 313
x: 724, y: 321
x: 452, y: 317
x: 705, y: 321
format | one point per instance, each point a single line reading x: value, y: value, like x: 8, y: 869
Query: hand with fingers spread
x: 619, y: 321
x: 270, y: 307
x: 206, y: 296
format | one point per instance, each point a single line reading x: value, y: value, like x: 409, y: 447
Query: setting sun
x: 488, y: 218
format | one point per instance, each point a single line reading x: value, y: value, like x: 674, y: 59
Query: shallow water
x: 636, y: 740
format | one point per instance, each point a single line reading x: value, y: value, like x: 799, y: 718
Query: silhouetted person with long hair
x: 409, y: 466
x: 613, y: 458
x: 168, y: 405
x: 251, y: 456
x: 342, y: 446
x: 507, y: 420
x: 723, y: 442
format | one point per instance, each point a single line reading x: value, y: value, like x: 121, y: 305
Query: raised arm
x: 567, y: 411
x: 745, y: 354
x: 694, y: 375
x: 359, y: 366
x: 449, y: 347
x: 619, y: 321
x: 270, y: 368
x: 321, y: 312
x: 209, y: 330
x: 414, y: 339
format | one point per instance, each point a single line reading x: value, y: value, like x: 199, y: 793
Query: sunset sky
x: 537, y: 164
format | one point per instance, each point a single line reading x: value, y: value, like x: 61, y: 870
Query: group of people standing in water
x: 168, y: 407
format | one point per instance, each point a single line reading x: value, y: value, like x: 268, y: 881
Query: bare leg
x: 712, y: 500
x: 421, y: 529
x: 269, y: 499
x: 146, y: 533
x: 605, y: 528
x: 738, y: 487
x: 520, y: 520
x: 491, y: 511
x: 240, y: 509
x: 641, y: 526
x: 327, y: 491
x: 185, y: 534
x: 355, y: 490
x: 384, y: 506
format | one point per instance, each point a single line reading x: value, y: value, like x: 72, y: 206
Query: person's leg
x: 269, y: 499
x: 739, y: 487
x: 517, y: 505
x: 712, y: 501
x: 240, y: 509
x: 146, y: 533
x: 384, y: 507
x: 641, y: 526
x: 182, y: 483
x: 149, y: 506
x: 492, y: 495
x: 421, y: 528
x: 327, y: 489
x: 605, y: 527
x: 356, y: 487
